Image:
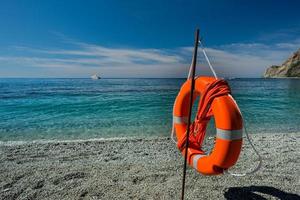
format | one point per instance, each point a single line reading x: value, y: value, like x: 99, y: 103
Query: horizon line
x: 116, y: 77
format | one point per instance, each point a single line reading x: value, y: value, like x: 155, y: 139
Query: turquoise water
x: 34, y: 109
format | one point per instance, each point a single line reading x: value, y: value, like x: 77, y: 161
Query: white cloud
x: 238, y: 60
x: 250, y: 59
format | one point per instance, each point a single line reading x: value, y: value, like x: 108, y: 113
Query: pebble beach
x: 143, y: 168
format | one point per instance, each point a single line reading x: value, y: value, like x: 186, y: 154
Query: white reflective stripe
x: 229, y: 134
x: 179, y: 120
x: 196, y: 158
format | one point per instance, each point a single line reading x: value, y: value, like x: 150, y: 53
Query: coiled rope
x: 215, y: 89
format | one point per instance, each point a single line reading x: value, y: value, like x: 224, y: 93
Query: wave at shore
x: 24, y: 142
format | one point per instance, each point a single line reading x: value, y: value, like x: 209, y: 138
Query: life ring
x: 228, y: 122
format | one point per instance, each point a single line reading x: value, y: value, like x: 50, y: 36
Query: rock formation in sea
x: 290, y: 68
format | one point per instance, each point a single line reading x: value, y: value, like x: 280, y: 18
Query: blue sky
x: 144, y: 38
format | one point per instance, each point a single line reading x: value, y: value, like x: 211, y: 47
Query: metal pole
x: 193, y: 66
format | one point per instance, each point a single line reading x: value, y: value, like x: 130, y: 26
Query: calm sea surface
x: 34, y: 109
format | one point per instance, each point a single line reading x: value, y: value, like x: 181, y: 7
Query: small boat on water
x: 95, y: 77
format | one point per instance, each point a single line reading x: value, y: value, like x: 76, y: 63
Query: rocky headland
x: 290, y: 68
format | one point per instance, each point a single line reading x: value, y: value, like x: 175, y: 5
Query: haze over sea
x: 46, y: 109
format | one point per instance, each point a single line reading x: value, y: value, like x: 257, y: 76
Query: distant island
x: 290, y: 68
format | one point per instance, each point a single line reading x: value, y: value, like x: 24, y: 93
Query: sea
x: 71, y: 109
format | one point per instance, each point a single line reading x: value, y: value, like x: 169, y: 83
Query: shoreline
x: 143, y: 168
x: 122, y: 138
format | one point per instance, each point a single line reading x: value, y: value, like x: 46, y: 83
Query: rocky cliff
x: 290, y: 68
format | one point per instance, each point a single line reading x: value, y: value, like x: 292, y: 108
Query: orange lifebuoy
x: 228, y: 122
